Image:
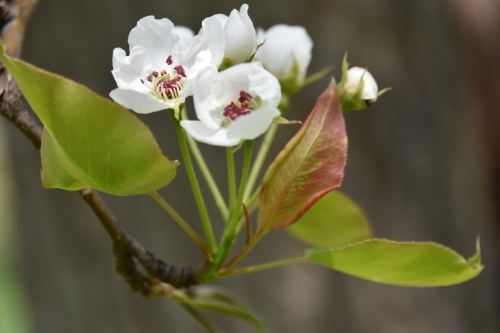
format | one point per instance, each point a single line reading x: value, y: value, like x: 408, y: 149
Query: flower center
x: 166, y: 85
x: 244, y: 105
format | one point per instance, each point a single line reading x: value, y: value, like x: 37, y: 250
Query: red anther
x: 149, y: 78
x: 244, y: 96
x: 155, y: 74
x: 163, y: 72
x: 169, y: 60
x: 180, y: 70
x: 230, y: 111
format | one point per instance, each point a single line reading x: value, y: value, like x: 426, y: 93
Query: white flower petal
x: 211, y: 38
x: 370, y: 88
x: 222, y: 18
x: 207, y: 107
x: 240, y: 36
x: 265, y: 85
x: 138, y: 102
x: 157, y: 37
x: 284, y: 45
x: 231, y: 81
x: 203, y: 60
x: 128, y: 71
x: 185, y: 36
x: 252, y: 125
x: 216, y: 137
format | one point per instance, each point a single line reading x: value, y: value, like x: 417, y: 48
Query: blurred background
x: 424, y: 162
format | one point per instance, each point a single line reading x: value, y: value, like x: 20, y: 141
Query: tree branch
x: 129, y: 254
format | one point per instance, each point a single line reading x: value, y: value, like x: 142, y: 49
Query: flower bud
x: 240, y: 36
x: 357, y: 89
x: 286, y: 53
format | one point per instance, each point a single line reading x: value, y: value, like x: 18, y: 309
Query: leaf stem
x: 180, y: 221
x: 200, y: 202
x: 231, y: 178
x: 237, y: 258
x: 205, y: 171
x: 231, y: 228
x: 259, y: 160
x: 261, y: 267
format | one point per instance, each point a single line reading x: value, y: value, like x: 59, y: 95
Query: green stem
x: 231, y: 228
x: 180, y: 221
x: 200, y: 202
x: 237, y: 258
x: 257, y: 268
x: 259, y: 160
x: 231, y: 177
x: 205, y: 171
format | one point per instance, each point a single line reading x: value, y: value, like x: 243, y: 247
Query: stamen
x: 169, y: 60
x: 155, y: 74
x: 180, y: 70
x: 149, y: 78
x: 142, y: 81
x: 234, y: 110
x: 244, y: 96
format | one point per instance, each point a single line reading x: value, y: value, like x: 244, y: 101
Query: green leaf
x: 334, y: 221
x: 413, y: 264
x: 311, y: 165
x: 89, y: 141
x: 214, y: 299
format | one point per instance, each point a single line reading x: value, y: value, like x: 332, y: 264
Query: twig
x: 129, y: 254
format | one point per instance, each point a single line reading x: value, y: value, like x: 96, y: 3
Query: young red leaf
x: 311, y: 165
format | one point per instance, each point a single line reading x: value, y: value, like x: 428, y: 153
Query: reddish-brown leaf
x: 311, y: 165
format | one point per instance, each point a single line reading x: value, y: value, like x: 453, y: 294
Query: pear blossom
x: 163, y: 62
x: 356, y: 77
x: 286, y: 52
x: 237, y: 104
x: 357, y: 89
x: 240, y: 35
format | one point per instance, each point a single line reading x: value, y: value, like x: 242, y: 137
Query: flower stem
x: 200, y: 202
x: 259, y: 160
x: 180, y: 221
x: 257, y: 268
x: 205, y: 171
x: 230, y: 231
x: 231, y: 177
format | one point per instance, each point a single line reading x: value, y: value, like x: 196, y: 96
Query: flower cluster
x: 235, y: 75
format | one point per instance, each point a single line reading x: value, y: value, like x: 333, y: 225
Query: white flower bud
x: 357, y: 89
x: 286, y: 53
x: 360, y: 77
x: 240, y: 36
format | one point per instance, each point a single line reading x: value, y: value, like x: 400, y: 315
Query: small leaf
x: 89, y: 141
x: 219, y: 300
x: 311, y: 165
x: 334, y: 221
x: 412, y: 264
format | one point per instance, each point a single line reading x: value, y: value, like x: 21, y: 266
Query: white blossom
x: 357, y: 76
x: 163, y: 63
x: 237, y: 104
x: 240, y: 35
x: 286, y: 51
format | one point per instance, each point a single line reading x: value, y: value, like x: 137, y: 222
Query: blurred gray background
x: 424, y: 162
